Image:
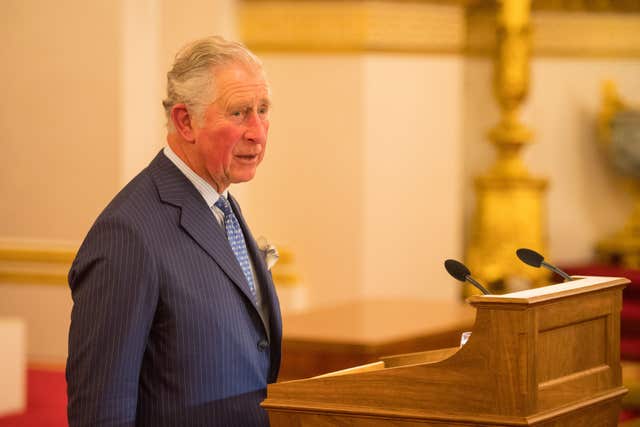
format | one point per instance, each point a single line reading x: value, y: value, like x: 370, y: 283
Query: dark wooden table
x: 328, y: 339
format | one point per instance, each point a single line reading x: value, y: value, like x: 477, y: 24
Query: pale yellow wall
x: 142, y: 129
x: 362, y: 173
x: 46, y: 310
x: 82, y: 85
x: 308, y: 192
x: 59, y: 118
x: 152, y: 32
x: 183, y: 21
x: 413, y: 173
x: 13, y: 361
x: 585, y: 201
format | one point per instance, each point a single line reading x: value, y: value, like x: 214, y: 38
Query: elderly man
x: 175, y: 319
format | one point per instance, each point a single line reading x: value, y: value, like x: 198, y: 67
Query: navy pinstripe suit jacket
x: 163, y: 328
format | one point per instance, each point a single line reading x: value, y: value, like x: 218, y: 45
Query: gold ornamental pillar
x: 510, y: 210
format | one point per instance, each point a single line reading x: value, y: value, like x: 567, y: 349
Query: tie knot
x: 223, y: 205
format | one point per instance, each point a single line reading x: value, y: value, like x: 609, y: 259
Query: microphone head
x: 457, y: 269
x: 530, y: 257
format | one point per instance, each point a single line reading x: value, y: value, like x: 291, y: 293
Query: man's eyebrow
x: 248, y: 102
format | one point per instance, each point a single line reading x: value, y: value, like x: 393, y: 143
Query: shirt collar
x: 209, y: 193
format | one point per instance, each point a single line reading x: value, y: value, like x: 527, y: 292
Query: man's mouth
x: 247, y: 157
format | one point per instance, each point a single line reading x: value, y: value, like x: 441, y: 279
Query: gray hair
x: 191, y: 80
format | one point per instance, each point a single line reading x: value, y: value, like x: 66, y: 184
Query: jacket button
x: 262, y: 345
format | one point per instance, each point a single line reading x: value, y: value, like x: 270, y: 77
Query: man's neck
x: 178, y: 148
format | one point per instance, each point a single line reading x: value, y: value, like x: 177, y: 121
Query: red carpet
x: 46, y: 401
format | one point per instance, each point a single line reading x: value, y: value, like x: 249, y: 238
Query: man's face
x: 232, y: 135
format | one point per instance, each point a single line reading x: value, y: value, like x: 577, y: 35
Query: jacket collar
x: 196, y: 218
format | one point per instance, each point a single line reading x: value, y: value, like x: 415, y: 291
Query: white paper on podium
x: 580, y: 282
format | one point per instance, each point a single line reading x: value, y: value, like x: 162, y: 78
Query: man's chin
x: 244, y: 176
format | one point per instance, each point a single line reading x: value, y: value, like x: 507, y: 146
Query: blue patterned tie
x: 236, y: 240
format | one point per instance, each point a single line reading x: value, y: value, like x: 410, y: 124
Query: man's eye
x: 236, y: 113
x: 263, y: 110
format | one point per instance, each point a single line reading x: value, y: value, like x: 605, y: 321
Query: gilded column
x: 510, y: 208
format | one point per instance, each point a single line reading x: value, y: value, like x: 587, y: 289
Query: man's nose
x: 256, y: 128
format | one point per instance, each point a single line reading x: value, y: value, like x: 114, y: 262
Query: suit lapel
x: 196, y: 218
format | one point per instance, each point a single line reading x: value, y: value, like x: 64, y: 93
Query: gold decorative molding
x: 563, y: 34
x: 35, y: 264
x: 573, y: 28
x: 41, y: 264
x: 586, y: 34
x: 588, y: 5
x: 352, y: 26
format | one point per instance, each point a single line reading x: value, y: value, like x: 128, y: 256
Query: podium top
x: 581, y: 284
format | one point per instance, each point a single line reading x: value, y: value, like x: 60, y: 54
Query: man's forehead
x: 239, y: 81
x: 243, y: 93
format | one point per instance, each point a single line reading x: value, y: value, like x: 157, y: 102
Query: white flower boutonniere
x: 269, y: 252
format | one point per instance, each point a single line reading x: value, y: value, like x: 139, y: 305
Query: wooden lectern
x: 543, y: 357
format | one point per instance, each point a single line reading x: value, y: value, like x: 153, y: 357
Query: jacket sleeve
x: 115, y: 292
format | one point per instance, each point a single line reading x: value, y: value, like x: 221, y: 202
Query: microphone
x: 460, y: 272
x: 534, y: 259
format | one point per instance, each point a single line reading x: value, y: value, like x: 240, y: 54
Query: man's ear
x: 183, y: 122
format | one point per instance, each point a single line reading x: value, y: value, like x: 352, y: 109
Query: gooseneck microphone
x: 534, y: 259
x: 460, y: 272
